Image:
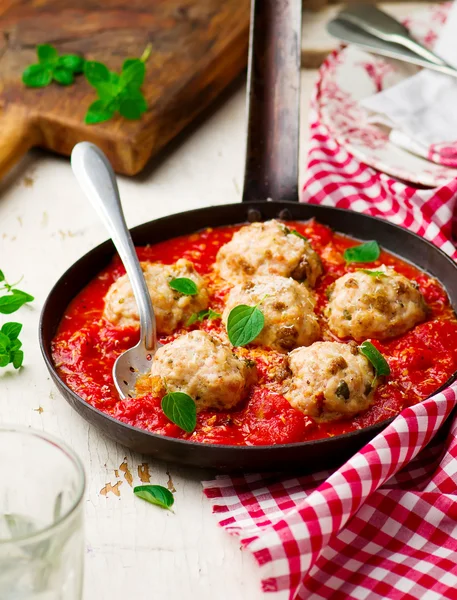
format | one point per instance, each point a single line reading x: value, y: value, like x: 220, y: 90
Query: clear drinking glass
x: 41, y: 517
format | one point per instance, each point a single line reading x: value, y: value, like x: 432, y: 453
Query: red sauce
x: 86, y: 347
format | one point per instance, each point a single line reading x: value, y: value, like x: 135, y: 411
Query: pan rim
x: 47, y: 355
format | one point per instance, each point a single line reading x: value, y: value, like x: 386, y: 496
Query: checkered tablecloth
x: 384, y: 525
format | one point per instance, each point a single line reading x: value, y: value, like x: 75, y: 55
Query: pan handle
x: 273, y: 99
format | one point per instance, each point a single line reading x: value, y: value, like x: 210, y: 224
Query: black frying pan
x: 271, y: 173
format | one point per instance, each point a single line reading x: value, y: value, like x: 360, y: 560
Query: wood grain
x: 199, y: 46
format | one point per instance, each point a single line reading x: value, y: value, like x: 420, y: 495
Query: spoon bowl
x: 97, y: 180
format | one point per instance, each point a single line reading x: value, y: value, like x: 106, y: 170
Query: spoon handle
x: 97, y: 180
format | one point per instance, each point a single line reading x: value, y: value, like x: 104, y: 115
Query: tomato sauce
x: 86, y: 346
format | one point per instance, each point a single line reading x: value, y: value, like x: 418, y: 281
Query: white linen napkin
x: 421, y: 111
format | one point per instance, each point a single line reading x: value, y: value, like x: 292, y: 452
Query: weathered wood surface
x: 199, y: 46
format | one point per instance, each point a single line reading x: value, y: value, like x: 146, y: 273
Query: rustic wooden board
x: 199, y: 46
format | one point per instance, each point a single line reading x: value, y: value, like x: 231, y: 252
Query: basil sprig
x: 117, y: 92
x: 184, y: 285
x: 10, y: 345
x: 209, y: 314
x: 181, y: 410
x: 378, y: 361
x: 373, y: 273
x: 52, y: 67
x: 288, y: 231
x: 155, y: 494
x: 367, y: 252
x: 244, y: 324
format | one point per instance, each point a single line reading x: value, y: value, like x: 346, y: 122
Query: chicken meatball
x: 330, y: 380
x: 208, y: 371
x: 374, y: 304
x: 171, y: 307
x: 288, y: 308
x: 268, y: 248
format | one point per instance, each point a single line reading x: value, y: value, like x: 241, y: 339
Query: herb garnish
x: 294, y: 232
x: 117, y: 92
x: 209, y: 314
x: 367, y: 252
x: 376, y: 358
x: 244, y: 324
x: 155, y: 494
x: 181, y: 410
x: 373, y: 273
x: 10, y: 345
x: 184, y: 285
x: 51, y: 66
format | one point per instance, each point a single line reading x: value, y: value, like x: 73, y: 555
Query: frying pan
x: 270, y: 191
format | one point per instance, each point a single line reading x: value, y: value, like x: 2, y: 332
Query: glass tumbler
x: 41, y: 517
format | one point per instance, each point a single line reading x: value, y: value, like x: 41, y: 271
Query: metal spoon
x: 97, y: 180
x: 383, y: 26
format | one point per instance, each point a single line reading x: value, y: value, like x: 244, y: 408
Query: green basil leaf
x: 213, y: 315
x: 73, y: 62
x: 2, y: 276
x: 46, y: 54
x: 373, y: 273
x: 133, y: 72
x: 4, y: 360
x: 367, y: 252
x: 132, y: 108
x: 96, y: 72
x: 181, y: 410
x: 244, y: 324
x: 37, y: 76
x: 107, y: 91
x: 295, y: 232
x: 209, y: 314
x: 5, y: 343
x: 184, y: 285
x: 115, y: 79
x: 98, y: 112
x: 63, y: 76
x: 18, y: 359
x: 15, y: 345
x: 12, y: 330
x: 12, y: 303
x: 194, y: 317
x: 376, y: 358
x: 155, y: 494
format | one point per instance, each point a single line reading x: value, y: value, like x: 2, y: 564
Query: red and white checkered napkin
x: 385, y: 524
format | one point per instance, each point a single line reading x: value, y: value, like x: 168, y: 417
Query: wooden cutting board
x: 199, y: 46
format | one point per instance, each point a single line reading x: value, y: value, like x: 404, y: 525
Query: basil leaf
x: 12, y: 330
x: 63, y: 76
x: 98, y: 112
x: 4, y: 343
x: 184, y: 285
x: 37, y: 76
x: 46, y: 53
x: 209, y: 314
x: 73, y: 62
x: 244, y: 324
x: 295, y: 232
x: 133, y: 108
x: 96, y: 72
x: 133, y: 72
x: 4, y: 360
x: 181, y: 410
x: 373, y: 273
x: 2, y: 276
x: 15, y: 345
x: 376, y: 358
x: 155, y: 494
x: 367, y: 252
x: 18, y: 359
x: 12, y: 303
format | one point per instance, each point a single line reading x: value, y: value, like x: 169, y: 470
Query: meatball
x: 268, y: 248
x: 208, y: 371
x: 171, y: 307
x: 288, y: 308
x: 374, y: 304
x: 330, y: 380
